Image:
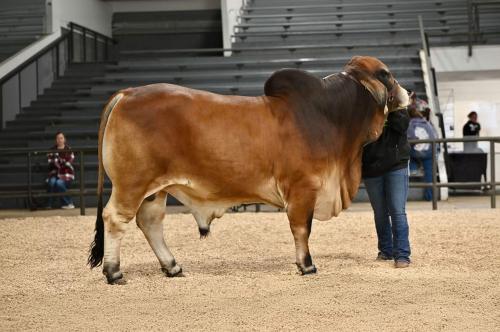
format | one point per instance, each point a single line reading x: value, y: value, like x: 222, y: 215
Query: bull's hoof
x: 176, y: 271
x: 204, y: 232
x: 311, y: 269
x: 115, y: 279
x: 112, y: 273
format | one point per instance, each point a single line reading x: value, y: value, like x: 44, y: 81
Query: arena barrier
x: 29, y: 193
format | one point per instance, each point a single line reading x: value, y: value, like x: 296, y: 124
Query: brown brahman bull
x: 297, y: 147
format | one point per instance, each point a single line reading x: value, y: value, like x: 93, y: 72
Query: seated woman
x: 61, y: 171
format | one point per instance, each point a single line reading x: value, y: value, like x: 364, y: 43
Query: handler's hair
x: 472, y: 114
x: 414, y: 113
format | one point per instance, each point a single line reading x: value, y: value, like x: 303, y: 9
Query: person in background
x: 471, y: 128
x: 417, y: 103
x: 420, y: 128
x: 426, y: 114
x: 385, y: 174
x: 61, y: 171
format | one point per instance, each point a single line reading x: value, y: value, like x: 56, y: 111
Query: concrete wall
x: 93, y: 14
x: 466, y: 84
x: 450, y: 59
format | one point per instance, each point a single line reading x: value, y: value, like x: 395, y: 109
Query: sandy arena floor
x: 243, y: 276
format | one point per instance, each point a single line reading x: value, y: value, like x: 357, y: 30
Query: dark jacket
x: 471, y: 129
x: 391, y: 151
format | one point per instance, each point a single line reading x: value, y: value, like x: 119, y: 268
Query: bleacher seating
x: 21, y: 23
x: 319, y: 37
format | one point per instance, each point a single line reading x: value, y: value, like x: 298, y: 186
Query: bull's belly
x: 211, y: 201
x: 204, y: 204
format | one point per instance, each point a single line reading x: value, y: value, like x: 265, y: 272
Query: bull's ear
x: 377, y: 90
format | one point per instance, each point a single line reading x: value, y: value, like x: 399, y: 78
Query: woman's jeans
x: 426, y: 158
x: 56, y: 185
x: 388, y: 194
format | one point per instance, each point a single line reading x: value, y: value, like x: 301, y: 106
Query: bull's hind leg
x: 150, y: 221
x: 300, y: 213
x: 121, y: 208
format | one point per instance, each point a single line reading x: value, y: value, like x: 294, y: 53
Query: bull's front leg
x: 300, y: 213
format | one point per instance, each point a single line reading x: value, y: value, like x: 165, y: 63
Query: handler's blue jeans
x: 56, y: 185
x: 426, y: 158
x: 388, y: 194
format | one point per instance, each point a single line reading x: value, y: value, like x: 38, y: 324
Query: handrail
x: 34, y: 58
x: 51, y: 46
x: 83, y: 191
x: 431, y: 73
x: 66, y: 40
x: 433, y: 98
x: 93, y: 32
x: 8, y: 151
x: 77, y: 28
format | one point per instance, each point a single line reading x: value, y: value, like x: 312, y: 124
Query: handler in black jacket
x: 385, y: 174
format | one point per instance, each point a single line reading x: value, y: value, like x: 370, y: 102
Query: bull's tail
x: 97, y: 247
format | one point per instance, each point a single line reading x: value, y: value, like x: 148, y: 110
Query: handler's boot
x: 401, y: 264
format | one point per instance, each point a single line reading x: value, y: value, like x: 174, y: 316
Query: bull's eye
x: 383, y: 74
x: 385, y: 78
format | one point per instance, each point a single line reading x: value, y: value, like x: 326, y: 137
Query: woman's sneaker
x: 68, y: 207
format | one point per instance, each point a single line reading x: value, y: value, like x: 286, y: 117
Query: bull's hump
x: 294, y: 83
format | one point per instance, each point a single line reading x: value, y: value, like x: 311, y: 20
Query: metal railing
x: 89, y: 45
x: 432, y: 94
x: 83, y: 191
x: 26, y: 82
x: 29, y: 193
x: 474, y: 28
x: 435, y: 185
x: 428, y: 68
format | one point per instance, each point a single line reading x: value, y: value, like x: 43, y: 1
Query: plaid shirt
x: 60, y: 164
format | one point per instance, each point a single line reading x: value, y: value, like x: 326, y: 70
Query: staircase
x: 319, y: 37
x: 21, y: 23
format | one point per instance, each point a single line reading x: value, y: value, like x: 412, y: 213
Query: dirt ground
x: 243, y: 277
